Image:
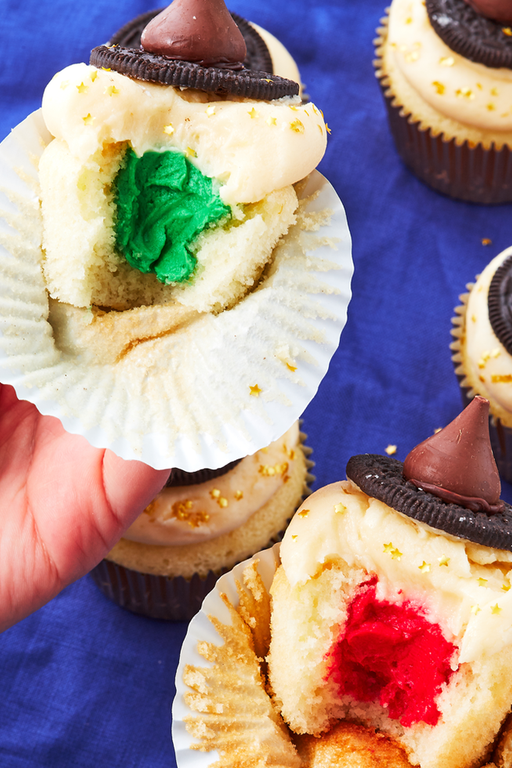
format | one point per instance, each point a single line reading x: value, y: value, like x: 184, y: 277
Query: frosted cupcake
x: 482, y: 351
x: 391, y: 607
x: 200, y: 525
x: 446, y: 74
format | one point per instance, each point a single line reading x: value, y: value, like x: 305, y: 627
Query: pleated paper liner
x: 501, y: 435
x: 221, y: 388
x: 164, y: 597
x: 460, y: 170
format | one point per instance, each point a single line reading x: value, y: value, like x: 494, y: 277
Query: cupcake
x: 482, y: 351
x: 391, y: 608
x: 445, y: 69
x: 200, y: 525
x: 194, y: 314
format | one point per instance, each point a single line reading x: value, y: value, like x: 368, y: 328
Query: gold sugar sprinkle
x: 486, y: 241
x: 222, y: 502
x: 327, y: 129
x: 412, y: 56
x: 424, y: 567
x: 504, y: 378
x: 507, y: 31
x: 294, y: 536
x: 112, y: 90
x: 473, y: 318
x: 210, y: 111
x: 465, y: 93
x: 239, y: 495
x: 271, y: 120
x: 482, y: 582
x: 505, y: 587
x: 340, y: 508
x: 482, y: 379
x: 304, y: 513
x: 495, y: 609
x: 82, y: 88
x: 215, y: 493
x: 191, y: 152
x: 447, y: 61
x: 106, y: 69
x: 391, y: 450
x: 496, y: 353
x: 169, y: 129
x: 475, y: 609
x: 480, y: 86
x: 291, y: 368
x: 440, y: 88
x: 88, y: 119
x: 183, y: 510
x: 491, y: 107
x: 255, y: 390
x: 271, y: 471
x: 320, y: 129
x: 494, y: 92
x: 408, y: 20
x: 297, y: 126
x: 444, y: 560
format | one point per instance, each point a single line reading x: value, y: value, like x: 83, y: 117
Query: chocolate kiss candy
x: 199, y: 31
x: 457, y: 463
x: 500, y: 10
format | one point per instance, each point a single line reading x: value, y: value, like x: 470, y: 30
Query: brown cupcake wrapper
x: 501, y: 436
x: 463, y: 171
x: 170, y: 598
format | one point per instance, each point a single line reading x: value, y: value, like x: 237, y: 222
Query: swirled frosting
x: 456, y: 87
x: 194, y: 514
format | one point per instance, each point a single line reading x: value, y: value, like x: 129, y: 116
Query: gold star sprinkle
x: 486, y: 241
x: 505, y: 587
x: 388, y: 548
x: 169, y: 129
x: 294, y: 536
x: 88, y: 119
x: 215, y: 493
x: 424, y: 567
x: 210, y: 111
x: 340, y: 508
x: 482, y: 582
x: 491, y: 107
x: 111, y: 90
x: 255, y: 390
x: 253, y: 113
x: 304, y: 513
x: 239, y: 495
x: 393, y: 551
x: 222, y: 502
x: 440, y: 88
x: 391, y: 450
x: 271, y: 120
x: 495, y: 609
x: 494, y: 92
x: 475, y: 609
x: 443, y: 560
x: 447, y: 61
x: 507, y: 31
x: 82, y: 88
x: 94, y: 75
x: 297, y: 126
x: 191, y: 152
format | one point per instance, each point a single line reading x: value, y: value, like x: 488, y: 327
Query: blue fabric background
x: 84, y: 683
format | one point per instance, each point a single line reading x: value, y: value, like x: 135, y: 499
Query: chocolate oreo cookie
x: 382, y: 478
x: 499, y: 302
x: 141, y: 65
x: 258, y: 56
x: 179, y: 477
x: 470, y: 34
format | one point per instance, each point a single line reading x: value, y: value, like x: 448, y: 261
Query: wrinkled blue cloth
x: 85, y: 684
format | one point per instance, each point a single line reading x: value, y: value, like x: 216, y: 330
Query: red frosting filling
x: 390, y: 653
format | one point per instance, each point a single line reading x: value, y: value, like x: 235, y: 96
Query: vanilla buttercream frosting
x: 250, y: 147
x: 463, y: 587
x: 456, y: 87
x: 193, y: 514
x: 485, y: 361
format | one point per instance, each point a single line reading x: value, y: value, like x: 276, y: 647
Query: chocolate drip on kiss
x: 198, y: 31
x: 457, y: 463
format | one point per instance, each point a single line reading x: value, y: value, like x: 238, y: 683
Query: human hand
x: 63, y: 505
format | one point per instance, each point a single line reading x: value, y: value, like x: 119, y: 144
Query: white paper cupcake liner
x: 201, y: 397
x: 201, y: 629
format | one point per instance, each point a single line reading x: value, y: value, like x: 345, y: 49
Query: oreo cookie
x: 470, y: 34
x: 382, y: 478
x: 499, y: 302
x: 141, y: 65
x: 179, y: 477
x: 258, y: 56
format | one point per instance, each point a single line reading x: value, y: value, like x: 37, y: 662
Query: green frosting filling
x: 163, y: 203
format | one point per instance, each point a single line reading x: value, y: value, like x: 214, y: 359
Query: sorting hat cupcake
x: 188, y: 324
x: 482, y: 351
x: 391, y: 606
x: 445, y: 69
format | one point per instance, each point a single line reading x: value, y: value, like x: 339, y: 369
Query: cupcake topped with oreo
x: 445, y: 67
